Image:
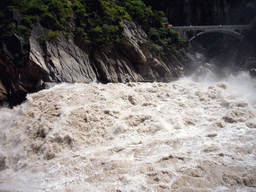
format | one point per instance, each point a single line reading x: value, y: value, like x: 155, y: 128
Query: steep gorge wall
x: 206, y: 12
x: 62, y: 60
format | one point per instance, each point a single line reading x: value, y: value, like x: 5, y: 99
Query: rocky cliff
x: 206, y: 12
x: 65, y: 60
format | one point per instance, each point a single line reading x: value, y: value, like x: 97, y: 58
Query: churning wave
x: 193, y: 134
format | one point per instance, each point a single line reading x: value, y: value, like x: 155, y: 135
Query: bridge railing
x: 182, y: 30
x: 230, y: 27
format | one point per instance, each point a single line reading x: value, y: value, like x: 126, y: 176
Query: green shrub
x: 24, y: 30
x: 97, y: 22
x: 115, y: 12
x: 50, y: 35
x: 168, y: 41
x: 79, y: 10
x: 106, y: 35
x: 53, y: 34
x: 8, y: 31
x: 155, y: 48
x: 35, y: 7
x: 142, y: 14
x: 154, y: 34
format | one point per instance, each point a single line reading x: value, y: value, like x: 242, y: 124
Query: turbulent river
x: 186, y: 135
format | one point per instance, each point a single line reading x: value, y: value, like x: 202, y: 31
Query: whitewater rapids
x: 179, y: 136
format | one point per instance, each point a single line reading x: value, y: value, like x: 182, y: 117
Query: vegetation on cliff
x: 93, y: 23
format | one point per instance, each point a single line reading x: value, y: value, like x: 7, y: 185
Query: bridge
x: 190, y: 32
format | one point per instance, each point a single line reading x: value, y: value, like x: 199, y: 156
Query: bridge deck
x: 230, y: 27
x: 234, y: 29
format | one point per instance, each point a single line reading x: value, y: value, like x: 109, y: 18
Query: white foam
x: 183, y: 135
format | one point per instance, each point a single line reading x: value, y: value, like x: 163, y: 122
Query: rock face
x: 62, y: 60
x: 206, y: 12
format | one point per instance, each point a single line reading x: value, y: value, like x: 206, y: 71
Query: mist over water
x: 194, y: 134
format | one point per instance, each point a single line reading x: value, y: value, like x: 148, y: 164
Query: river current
x: 193, y: 134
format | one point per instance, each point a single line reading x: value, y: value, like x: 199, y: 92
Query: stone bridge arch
x: 232, y: 33
x: 184, y: 31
